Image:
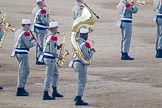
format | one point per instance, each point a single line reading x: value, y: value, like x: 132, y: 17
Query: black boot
x: 47, y: 97
x: 1, y: 88
x: 125, y: 56
x: 158, y: 53
x: 55, y: 93
x: 79, y: 101
x: 20, y: 92
x: 23, y: 89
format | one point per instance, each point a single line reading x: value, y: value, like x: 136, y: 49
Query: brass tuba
x: 86, y: 19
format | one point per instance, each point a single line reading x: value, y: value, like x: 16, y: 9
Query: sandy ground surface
x: 112, y: 83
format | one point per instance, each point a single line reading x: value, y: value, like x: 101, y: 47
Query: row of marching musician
x: 128, y: 7
x: 44, y: 35
x: 47, y: 46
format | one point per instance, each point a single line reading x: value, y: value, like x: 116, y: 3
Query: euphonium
x: 85, y: 20
x: 63, y: 53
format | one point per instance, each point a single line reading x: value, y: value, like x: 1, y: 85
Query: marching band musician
x: 77, y: 9
x: 40, y: 26
x: 80, y: 67
x: 50, y: 55
x: 158, y: 20
x: 22, y: 45
x: 126, y: 10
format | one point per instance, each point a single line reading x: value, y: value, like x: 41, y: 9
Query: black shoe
x: 20, y: 92
x: 55, y: 93
x: 23, y: 90
x: 47, y: 97
x: 125, y: 56
x: 40, y: 63
x: 158, y: 54
x: 80, y: 102
x: 1, y: 88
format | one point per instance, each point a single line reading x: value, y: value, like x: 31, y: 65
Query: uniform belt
x: 21, y: 51
x: 48, y: 55
x: 126, y: 20
x: 159, y: 15
x: 40, y: 26
x: 77, y: 61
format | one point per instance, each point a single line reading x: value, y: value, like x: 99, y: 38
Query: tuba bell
x: 86, y: 19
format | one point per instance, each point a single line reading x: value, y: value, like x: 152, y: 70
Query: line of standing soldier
x: 47, y: 45
x: 125, y: 23
x: 24, y: 41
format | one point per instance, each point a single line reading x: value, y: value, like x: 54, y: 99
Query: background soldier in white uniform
x: 50, y: 55
x: 125, y: 23
x: 80, y: 67
x: 22, y: 45
x: 158, y: 20
x: 77, y: 9
x: 40, y: 26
